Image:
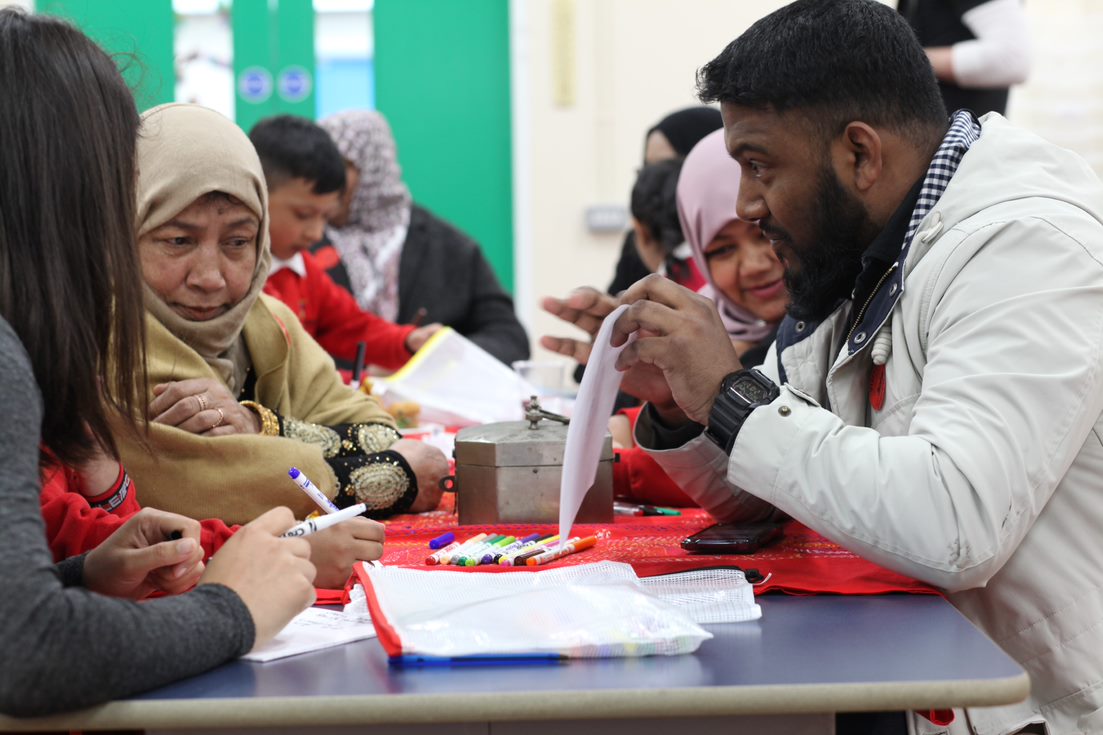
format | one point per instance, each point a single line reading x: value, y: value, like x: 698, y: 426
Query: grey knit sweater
x: 61, y: 646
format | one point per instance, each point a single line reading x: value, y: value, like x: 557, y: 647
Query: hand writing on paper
x: 586, y: 308
x: 430, y: 466
x: 202, y: 406
x: 681, y: 336
x: 417, y: 338
x: 273, y: 576
x: 334, y: 550
x: 138, y: 559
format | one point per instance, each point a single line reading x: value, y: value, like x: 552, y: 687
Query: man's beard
x: 832, y: 259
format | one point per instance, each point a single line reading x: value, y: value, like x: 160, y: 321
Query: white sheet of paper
x: 313, y: 629
x: 589, y: 423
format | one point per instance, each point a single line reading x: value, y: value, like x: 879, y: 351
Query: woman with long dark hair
x: 71, y: 634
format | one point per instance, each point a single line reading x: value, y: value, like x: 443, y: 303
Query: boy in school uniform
x: 306, y: 179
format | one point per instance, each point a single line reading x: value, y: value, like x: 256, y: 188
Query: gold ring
x: 221, y: 418
x: 202, y: 401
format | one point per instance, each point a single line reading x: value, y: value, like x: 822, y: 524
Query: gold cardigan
x: 236, y: 478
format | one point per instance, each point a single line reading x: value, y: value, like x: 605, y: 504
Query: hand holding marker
x: 321, y: 523
x: 334, y: 515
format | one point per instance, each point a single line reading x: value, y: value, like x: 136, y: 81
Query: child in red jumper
x: 306, y: 179
x: 80, y: 514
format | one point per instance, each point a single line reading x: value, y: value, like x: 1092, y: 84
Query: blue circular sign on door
x: 254, y: 84
x: 294, y: 84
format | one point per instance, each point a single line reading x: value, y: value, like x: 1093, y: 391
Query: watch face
x: 750, y: 390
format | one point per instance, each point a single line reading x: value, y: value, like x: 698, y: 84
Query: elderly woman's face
x: 201, y: 261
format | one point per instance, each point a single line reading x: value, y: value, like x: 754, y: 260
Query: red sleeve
x: 639, y: 478
x: 73, y: 526
x: 342, y: 324
x: 212, y: 534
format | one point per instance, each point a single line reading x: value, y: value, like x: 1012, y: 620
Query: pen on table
x: 635, y: 509
x: 419, y: 316
x: 442, y: 540
x: 495, y: 556
x: 627, y: 509
x: 313, y: 525
x: 478, y: 548
x: 447, y: 558
x: 311, y: 489
x: 572, y: 546
x: 358, y: 366
x: 476, y: 559
x: 436, y: 556
x: 517, y: 558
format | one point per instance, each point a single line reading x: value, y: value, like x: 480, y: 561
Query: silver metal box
x: 508, y: 472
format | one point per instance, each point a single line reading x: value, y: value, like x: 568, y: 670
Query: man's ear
x: 864, y: 152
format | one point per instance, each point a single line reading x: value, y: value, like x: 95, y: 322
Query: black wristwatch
x: 740, y: 393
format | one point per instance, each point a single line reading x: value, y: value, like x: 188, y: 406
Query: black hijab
x: 685, y: 128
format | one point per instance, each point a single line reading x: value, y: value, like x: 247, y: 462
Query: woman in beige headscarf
x: 241, y: 393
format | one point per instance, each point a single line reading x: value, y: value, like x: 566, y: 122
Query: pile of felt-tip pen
x: 485, y: 549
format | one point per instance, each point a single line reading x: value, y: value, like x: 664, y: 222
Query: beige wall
x: 633, y: 62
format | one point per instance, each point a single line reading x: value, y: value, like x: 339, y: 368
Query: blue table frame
x: 806, y: 658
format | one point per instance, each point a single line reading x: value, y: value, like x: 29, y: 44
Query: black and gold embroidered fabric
x: 383, y: 481
x: 365, y: 469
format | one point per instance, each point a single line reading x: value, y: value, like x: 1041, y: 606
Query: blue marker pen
x: 308, y: 487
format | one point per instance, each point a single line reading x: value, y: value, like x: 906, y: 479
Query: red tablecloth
x: 803, y: 562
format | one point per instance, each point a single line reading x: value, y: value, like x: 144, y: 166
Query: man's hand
x: 138, y: 559
x: 273, y: 576
x: 586, y: 308
x: 430, y: 466
x: 201, y: 406
x: 680, y: 335
x: 334, y: 550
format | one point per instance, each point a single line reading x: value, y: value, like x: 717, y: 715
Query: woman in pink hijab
x: 745, y: 278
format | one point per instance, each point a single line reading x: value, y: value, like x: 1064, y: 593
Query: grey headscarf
x: 370, y: 243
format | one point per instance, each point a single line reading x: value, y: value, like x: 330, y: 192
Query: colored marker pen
x: 435, y: 557
x: 321, y: 523
x: 442, y: 540
x: 518, y: 559
x: 575, y: 544
x: 310, y: 489
x: 447, y: 558
x: 495, y: 557
x: 475, y: 550
x: 488, y: 553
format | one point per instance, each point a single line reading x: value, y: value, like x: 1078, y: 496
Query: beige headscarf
x: 184, y: 152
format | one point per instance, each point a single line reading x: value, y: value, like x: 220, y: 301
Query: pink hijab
x: 707, y: 191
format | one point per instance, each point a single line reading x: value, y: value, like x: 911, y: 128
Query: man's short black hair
x: 295, y: 148
x: 834, y: 61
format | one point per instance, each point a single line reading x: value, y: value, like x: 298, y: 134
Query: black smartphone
x: 732, y: 538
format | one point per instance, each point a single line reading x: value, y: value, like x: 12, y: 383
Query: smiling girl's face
x: 744, y: 268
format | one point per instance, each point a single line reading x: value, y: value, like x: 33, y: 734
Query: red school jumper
x: 332, y: 317
x: 76, y: 524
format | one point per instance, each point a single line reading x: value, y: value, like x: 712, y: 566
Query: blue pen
x: 309, y: 488
x: 443, y: 540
